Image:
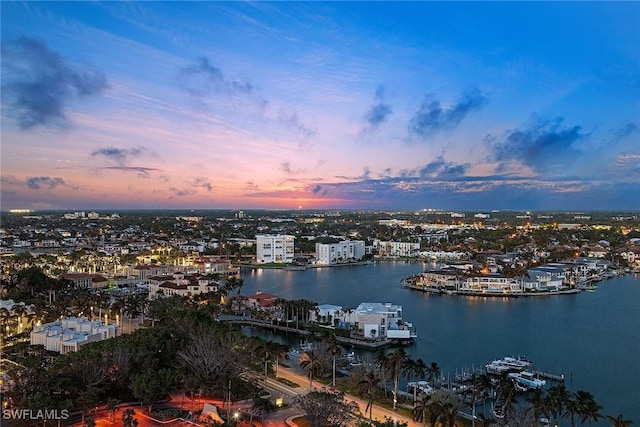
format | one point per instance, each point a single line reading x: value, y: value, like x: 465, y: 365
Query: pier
x: 546, y: 375
x: 364, y: 343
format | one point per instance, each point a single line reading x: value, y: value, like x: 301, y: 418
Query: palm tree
x: 367, y: 387
x: 449, y: 414
x: 479, y: 383
x: 421, y: 407
x: 381, y: 361
x: 571, y: 409
x: 421, y: 369
x: 334, y: 348
x: 433, y: 373
x: 280, y: 353
x: 588, y: 409
x: 409, y: 369
x: 395, y: 362
x: 536, y: 403
x: 619, y: 421
x: 556, y: 401
x: 309, y: 361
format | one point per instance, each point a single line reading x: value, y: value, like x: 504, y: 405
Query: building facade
x: 377, y: 320
x: 404, y: 249
x: 180, y: 284
x: 340, y: 252
x: 274, y: 248
x: 66, y: 335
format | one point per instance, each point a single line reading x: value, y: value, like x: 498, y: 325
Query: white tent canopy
x: 211, y: 410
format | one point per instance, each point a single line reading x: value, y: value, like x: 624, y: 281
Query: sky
x: 320, y: 105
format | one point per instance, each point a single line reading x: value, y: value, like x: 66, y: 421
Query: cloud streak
x: 38, y: 84
x: 45, y: 182
x: 432, y: 118
x: 202, y: 79
x: 379, y: 112
x: 544, y: 145
x: 120, y: 156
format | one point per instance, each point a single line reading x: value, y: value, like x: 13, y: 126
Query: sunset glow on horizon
x: 320, y: 105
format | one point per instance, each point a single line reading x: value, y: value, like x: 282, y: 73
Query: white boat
x: 507, y: 364
x: 527, y: 379
x: 422, y: 386
x: 497, y: 367
x: 517, y: 363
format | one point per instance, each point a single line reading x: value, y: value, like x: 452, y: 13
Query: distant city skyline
x: 320, y: 105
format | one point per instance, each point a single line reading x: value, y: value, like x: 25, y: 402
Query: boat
x: 527, y: 379
x: 507, y: 365
x: 422, y: 386
x: 497, y: 368
x: 517, y: 363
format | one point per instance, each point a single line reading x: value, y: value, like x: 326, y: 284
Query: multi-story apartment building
x: 70, y: 334
x: 389, y: 248
x: 276, y: 248
x: 336, y: 253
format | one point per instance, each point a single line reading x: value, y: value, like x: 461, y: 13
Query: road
x: 277, y: 418
x: 379, y: 413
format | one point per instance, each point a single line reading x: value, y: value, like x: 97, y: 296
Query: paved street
x: 276, y: 418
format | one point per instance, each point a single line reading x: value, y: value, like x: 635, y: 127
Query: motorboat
x: 527, y: 379
x: 422, y: 386
x: 507, y: 365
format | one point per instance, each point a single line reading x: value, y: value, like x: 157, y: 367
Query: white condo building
x: 388, y: 248
x: 340, y: 252
x: 71, y: 333
x: 276, y: 248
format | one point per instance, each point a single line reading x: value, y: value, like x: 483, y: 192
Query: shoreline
x: 490, y: 294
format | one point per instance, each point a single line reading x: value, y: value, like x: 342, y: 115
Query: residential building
x: 326, y: 314
x: 404, y: 249
x: 378, y: 320
x: 86, y: 281
x: 340, y: 252
x: 274, y: 248
x: 492, y: 282
x: 70, y: 334
x: 180, y: 283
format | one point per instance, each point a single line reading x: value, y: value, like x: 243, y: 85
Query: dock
x: 548, y: 376
x: 363, y: 343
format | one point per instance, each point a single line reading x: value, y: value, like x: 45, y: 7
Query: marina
x: 470, y: 330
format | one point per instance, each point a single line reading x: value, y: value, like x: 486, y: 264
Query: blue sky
x: 354, y: 105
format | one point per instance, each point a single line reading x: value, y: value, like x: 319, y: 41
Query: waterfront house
x: 326, y: 314
x: 377, y: 320
x: 492, y: 282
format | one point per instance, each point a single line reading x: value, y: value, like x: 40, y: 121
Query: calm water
x: 592, y: 337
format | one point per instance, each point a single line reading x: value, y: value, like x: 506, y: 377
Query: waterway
x: 593, y: 338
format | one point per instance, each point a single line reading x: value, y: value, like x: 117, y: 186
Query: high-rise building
x: 340, y: 252
x: 276, y: 248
